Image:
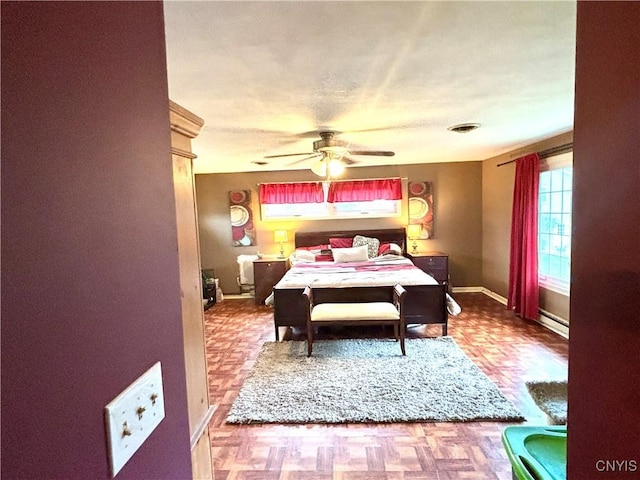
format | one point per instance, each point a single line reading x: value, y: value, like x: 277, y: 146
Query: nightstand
x: 435, y: 264
x: 266, y: 273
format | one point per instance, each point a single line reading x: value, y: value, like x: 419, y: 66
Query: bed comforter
x: 381, y: 271
x: 385, y: 271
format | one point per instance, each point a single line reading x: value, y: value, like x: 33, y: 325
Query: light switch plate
x: 132, y: 416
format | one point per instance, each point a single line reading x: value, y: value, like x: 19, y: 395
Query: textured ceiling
x: 267, y: 76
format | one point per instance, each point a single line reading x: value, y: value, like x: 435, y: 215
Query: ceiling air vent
x: 463, y: 127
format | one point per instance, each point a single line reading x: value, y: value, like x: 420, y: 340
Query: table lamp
x: 280, y: 236
x: 414, y: 232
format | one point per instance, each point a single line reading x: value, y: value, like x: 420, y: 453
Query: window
x: 377, y: 208
x: 554, y: 223
x: 346, y: 199
x: 276, y: 211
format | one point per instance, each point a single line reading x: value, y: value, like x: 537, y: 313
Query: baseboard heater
x: 553, y: 317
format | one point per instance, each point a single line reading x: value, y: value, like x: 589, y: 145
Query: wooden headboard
x: 391, y: 235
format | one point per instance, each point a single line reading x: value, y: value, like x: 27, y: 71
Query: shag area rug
x: 349, y: 381
x: 551, y: 398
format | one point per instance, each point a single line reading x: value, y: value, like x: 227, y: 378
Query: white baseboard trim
x: 466, y: 289
x: 238, y: 296
x: 548, y: 320
x: 495, y: 296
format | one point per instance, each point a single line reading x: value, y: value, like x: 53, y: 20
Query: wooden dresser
x: 266, y: 273
x: 435, y: 264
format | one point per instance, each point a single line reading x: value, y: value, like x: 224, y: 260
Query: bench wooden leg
x: 309, y: 340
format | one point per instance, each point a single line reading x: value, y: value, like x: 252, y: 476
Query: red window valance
x: 284, y: 193
x: 365, y: 190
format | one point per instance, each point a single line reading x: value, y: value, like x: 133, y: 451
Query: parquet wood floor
x: 508, y: 349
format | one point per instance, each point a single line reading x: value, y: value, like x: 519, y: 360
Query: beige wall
x: 497, y: 194
x: 457, y: 189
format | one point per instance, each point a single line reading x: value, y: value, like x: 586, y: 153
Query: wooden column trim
x: 183, y: 153
x: 202, y: 425
x: 183, y: 121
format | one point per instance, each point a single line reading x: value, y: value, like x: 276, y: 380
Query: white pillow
x: 305, y: 255
x: 353, y: 254
x: 373, y: 244
x: 395, y: 248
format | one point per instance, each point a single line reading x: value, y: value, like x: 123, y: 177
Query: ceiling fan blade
x: 379, y: 153
x: 348, y: 160
x: 315, y: 155
x: 289, y: 155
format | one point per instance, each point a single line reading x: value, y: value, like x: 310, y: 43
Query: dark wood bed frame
x: 424, y: 304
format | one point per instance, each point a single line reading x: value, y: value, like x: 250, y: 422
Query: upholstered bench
x: 360, y: 313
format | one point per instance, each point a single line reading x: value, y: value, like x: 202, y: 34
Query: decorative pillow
x: 341, y: 242
x: 389, y: 249
x: 352, y: 254
x: 324, y: 257
x: 372, y: 244
x: 315, y: 247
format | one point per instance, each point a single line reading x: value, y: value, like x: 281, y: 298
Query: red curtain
x: 283, y: 193
x: 523, y: 264
x: 365, y: 190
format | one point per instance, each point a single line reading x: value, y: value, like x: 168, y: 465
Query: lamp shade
x: 334, y: 164
x: 320, y: 168
x: 414, y: 231
x: 280, y: 236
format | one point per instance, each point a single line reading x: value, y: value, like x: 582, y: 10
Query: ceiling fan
x: 332, y: 154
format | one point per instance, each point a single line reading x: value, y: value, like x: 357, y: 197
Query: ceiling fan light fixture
x: 330, y: 148
x: 463, y: 127
x: 319, y: 167
x: 336, y: 167
x: 330, y: 165
x: 329, y: 144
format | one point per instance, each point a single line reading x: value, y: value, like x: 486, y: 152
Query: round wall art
x: 421, y: 207
x: 241, y: 217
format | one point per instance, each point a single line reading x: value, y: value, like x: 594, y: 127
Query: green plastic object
x: 537, y: 453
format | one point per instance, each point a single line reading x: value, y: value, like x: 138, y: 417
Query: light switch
x: 132, y: 416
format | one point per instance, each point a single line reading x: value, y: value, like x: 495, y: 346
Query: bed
x: 426, y: 300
